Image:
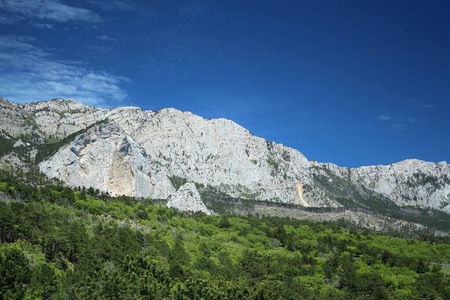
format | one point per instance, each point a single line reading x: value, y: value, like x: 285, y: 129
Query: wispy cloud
x: 101, y: 49
x: 115, y: 4
x: 29, y: 73
x: 396, y: 122
x: 52, y: 10
x: 398, y: 126
x: 42, y: 26
x: 191, y: 10
x: 6, y: 20
x: 106, y: 38
x: 384, y: 118
x: 428, y: 106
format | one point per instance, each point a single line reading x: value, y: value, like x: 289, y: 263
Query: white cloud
x: 428, y: 106
x: 46, y: 10
x: 6, y: 20
x: 99, y: 48
x: 115, y: 4
x: 398, y: 123
x: 41, y: 26
x: 398, y: 126
x: 106, y: 38
x: 28, y: 73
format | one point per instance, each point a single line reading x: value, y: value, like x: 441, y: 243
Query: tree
x: 253, y: 263
x: 224, y: 222
x: 14, y: 272
x: 44, y: 280
x: 348, y: 274
x: 178, y: 253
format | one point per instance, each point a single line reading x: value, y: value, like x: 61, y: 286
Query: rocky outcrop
x: 409, y: 182
x: 217, y: 152
x: 135, y: 152
x: 16, y: 123
x: 107, y: 159
x: 61, y: 117
x: 187, y: 198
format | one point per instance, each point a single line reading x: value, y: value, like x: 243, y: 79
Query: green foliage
x: 285, y: 155
x: 177, y: 182
x: 224, y: 222
x: 14, y: 272
x: 420, y: 178
x: 59, y: 243
x: 273, y: 163
x: 6, y: 145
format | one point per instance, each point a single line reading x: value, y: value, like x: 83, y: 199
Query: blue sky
x: 348, y: 82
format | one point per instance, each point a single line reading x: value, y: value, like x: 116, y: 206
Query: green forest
x: 64, y: 243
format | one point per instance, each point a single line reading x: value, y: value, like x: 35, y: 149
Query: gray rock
x: 107, y: 159
x: 409, y: 182
x: 135, y: 151
x: 19, y: 143
x: 187, y: 198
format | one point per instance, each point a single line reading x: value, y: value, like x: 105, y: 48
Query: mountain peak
x: 219, y: 153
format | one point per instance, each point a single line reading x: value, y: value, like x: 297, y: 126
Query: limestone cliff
x: 410, y: 182
x: 135, y: 152
x: 109, y: 160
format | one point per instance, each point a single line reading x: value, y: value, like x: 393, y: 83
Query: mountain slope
x: 135, y: 152
x: 105, y: 158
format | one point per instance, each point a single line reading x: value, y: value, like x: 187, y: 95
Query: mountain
x: 142, y: 153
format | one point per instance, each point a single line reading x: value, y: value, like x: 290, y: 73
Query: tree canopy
x: 64, y: 243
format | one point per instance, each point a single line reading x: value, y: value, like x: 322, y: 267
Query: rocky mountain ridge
x: 136, y: 152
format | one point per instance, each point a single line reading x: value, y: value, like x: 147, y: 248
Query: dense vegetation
x: 60, y: 243
x: 5, y: 145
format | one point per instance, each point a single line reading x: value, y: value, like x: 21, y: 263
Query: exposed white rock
x: 214, y: 152
x: 187, y: 198
x: 19, y: 143
x: 14, y: 161
x: 218, y: 152
x: 106, y: 158
x: 58, y: 106
x: 409, y: 182
x: 15, y: 122
x: 61, y: 117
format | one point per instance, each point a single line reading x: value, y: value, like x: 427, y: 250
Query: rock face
x: 136, y: 152
x: 109, y: 160
x: 409, y: 182
x: 60, y: 117
x: 15, y: 122
x: 187, y: 198
x: 216, y: 152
